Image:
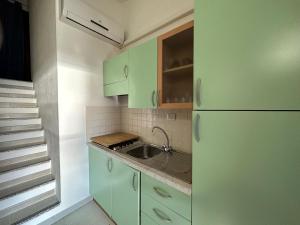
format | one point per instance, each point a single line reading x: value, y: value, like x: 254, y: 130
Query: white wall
x: 145, y: 15
x: 79, y: 85
x: 44, y: 73
x: 80, y: 58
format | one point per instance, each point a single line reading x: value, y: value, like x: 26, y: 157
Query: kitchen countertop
x: 174, y: 170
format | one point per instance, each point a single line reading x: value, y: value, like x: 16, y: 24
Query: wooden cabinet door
x: 115, y: 69
x: 142, y: 92
x: 100, y: 178
x: 247, y: 55
x: 246, y: 168
x: 125, y: 194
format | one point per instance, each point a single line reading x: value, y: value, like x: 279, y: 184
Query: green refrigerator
x: 246, y: 119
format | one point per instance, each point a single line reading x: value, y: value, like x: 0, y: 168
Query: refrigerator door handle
x: 198, y: 86
x: 197, y: 128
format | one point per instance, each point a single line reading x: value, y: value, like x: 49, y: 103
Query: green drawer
x: 146, y: 220
x: 161, y: 214
x: 168, y: 196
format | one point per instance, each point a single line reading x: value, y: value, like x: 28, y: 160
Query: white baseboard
x: 58, y: 215
x: 66, y: 212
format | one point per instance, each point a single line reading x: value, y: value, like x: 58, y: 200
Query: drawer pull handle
x: 153, y: 98
x: 109, y: 165
x: 125, y: 70
x: 158, y: 98
x: 162, y: 215
x: 162, y: 193
x: 197, y: 129
x: 133, y: 182
x: 198, y: 86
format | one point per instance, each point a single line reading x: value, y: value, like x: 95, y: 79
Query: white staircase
x: 27, y: 185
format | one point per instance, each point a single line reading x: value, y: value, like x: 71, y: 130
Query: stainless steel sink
x: 144, y: 152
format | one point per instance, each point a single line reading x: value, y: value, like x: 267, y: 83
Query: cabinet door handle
x: 161, y: 192
x: 109, y: 164
x: 198, y: 87
x: 153, y: 98
x: 157, y: 98
x: 161, y: 215
x: 133, y: 182
x: 197, y: 128
x: 125, y: 70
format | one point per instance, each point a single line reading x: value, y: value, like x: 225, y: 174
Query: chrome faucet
x: 167, y: 147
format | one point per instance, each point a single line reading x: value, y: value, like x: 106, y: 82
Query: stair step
x: 24, y: 183
x: 19, y: 207
x: 20, y: 122
x: 17, y: 105
x: 17, y: 100
x: 14, y: 159
x: 13, y: 129
x: 7, y: 102
x: 33, y: 110
x: 24, y: 171
x: 12, y: 145
x: 16, y: 93
x: 16, y: 125
x: 18, y: 116
x: 15, y: 84
x: 20, y: 136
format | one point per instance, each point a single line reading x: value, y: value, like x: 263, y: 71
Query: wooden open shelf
x: 179, y: 68
x: 175, y: 68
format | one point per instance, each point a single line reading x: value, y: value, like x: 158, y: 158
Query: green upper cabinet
x: 115, y: 75
x: 246, y: 168
x: 100, y: 178
x: 125, y: 194
x: 247, y: 55
x: 142, y: 91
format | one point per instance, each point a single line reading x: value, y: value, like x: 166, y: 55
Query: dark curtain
x: 14, y: 42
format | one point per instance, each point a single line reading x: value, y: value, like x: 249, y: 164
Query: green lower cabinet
x: 100, y: 178
x: 168, y: 196
x: 146, y: 220
x: 125, y: 194
x: 115, y: 187
x: 142, y: 91
x: 162, y: 204
x: 161, y: 214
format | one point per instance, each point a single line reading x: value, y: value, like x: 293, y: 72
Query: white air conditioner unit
x: 83, y: 16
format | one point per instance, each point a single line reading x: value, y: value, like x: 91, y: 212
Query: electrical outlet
x: 171, y: 116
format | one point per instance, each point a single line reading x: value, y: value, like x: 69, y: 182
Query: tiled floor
x: 89, y: 214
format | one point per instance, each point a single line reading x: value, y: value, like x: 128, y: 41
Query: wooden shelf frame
x: 161, y: 71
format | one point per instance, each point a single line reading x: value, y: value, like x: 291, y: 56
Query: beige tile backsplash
x: 104, y: 120
x: 141, y: 121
